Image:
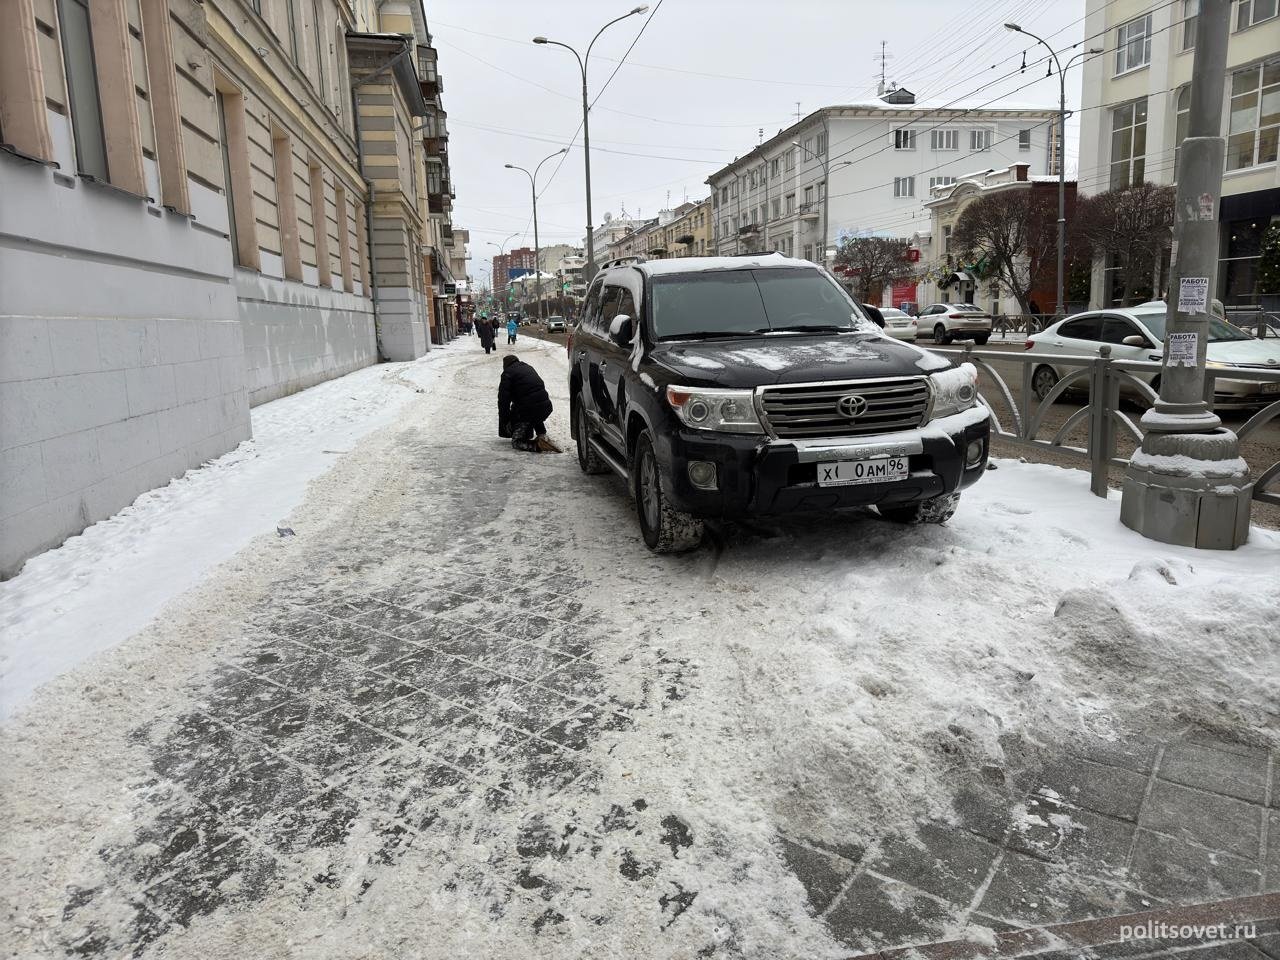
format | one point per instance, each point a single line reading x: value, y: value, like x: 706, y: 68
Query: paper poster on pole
x: 1180, y: 349
x: 1193, y: 294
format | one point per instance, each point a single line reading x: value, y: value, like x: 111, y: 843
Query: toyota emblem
x: 851, y: 406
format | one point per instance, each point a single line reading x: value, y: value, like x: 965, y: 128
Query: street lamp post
x: 1061, y: 308
x: 586, y: 132
x: 537, y: 249
x: 826, y: 185
x: 502, y: 252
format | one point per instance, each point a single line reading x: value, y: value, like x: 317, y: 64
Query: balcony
x: 810, y: 211
x: 748, y: 229
x: 428, y: 72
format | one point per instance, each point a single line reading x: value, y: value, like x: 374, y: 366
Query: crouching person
x: 523, y: 407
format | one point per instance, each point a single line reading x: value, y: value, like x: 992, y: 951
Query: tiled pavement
x: 426, y: 701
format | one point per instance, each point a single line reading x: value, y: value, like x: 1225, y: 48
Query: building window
x: 773, y: 168
x: 777, y: 208
x: 979, y: 140
x: 1253, y: 12
x: 822, y: 144
x: 944, y: 139
x: 790, y: 157
x: 1128, y: 144
x: 763, y: 214
x: 790, y: 203
x: 904, y: 186
x: 941, y: 182
x: 808, y: 196
x: 1255, y: 116
x: 946, y: 239
x: 315, y: 17
x: 1239, y: 264
x: 808, y: 251
x: 808, y: 146
x: 293, y: 29
x: 286, y: 202
x: 82, y: 88
x: 724, y: 194
x: 822, y: 189
x: 236, y: 179
x: 1024, y: 140
x: 1182, y: 125
x: 1190, y: 11
x: 724, y: 227
x: 904, y: 139
x: 1133, y: 44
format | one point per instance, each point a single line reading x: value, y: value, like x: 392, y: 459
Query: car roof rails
x: 622, y: 261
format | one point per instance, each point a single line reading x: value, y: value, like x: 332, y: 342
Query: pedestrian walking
x: 512, y: 327
x: 523, y: 407
x: 484, y: 328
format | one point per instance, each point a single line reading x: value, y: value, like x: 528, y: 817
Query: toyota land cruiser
x: 727, y: 387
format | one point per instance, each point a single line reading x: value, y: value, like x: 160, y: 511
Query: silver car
x: 555, y: 325
x: 955, y: 321
x: 1138, y: 333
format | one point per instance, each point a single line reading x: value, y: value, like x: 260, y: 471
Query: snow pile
x: 103, y: 586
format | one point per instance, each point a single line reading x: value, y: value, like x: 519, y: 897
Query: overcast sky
x: 701, y: 82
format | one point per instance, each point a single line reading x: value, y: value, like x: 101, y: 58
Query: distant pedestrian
x: 512, y: 327
x: 484, y: 327
x: 523, y: 407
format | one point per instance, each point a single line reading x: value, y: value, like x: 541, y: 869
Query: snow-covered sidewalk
x: 462, y: 711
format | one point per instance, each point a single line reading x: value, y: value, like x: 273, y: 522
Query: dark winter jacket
x: 522, y: 397
x: 485, y: 330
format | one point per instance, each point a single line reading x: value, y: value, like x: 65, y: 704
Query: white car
x: 1137, y: 333
x: 899, y: 325
x: 555, y: 325
x: 955, y: 321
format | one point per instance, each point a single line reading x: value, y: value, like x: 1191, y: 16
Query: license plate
x: 1271, y: 387
x: 844, y: 473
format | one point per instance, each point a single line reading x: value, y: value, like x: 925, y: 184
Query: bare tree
x: 1014, y: 232
x: 1130, y: 228
x: 873, y: 263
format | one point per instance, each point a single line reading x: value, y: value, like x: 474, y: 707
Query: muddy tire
x: 664, y: 528
x: 940, y: 334
x: 588, y: 459
x: 938, y: 510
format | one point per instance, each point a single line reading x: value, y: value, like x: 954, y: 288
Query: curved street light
x: 537, y: 250
x: 586, y: 132
x: 1061, y: 308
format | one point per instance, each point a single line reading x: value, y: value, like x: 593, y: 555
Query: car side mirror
x: 621, y: 330
x: 1136, y: 341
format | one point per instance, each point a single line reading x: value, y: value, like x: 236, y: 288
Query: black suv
x: 725, y: 387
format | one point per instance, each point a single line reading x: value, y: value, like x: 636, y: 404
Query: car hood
x: 1246, y: 351
x: 786, y: 358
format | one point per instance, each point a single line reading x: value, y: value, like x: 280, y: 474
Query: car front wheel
x: 938, y: 510
x: 665, y: 529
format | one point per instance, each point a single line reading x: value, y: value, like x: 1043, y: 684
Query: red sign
x: 913, y: 255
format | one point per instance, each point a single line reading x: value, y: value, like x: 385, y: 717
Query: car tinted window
x: 1083, y: 328
x: 590, y: 310
x: 609, y: 307
x: 627, y: 305
x: 1115, y: 329
x: 745, y: 301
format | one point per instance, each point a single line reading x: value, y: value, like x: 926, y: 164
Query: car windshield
x: 742, y: 302
x: 1219, y: 330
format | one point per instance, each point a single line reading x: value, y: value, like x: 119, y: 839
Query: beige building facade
x: 206, y: 206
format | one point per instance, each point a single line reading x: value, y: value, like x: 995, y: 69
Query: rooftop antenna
x: 668, y: 199
x: 883, y: 57
x: 760, y: 136
x: 797, y: 111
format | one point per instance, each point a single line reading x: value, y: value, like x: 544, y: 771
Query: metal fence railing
x: 1019, y: 415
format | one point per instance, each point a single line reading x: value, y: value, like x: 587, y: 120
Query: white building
x: 880, y: 160
x: 1134, y: 109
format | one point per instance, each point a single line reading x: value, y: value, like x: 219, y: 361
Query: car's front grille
x: 811, y: 411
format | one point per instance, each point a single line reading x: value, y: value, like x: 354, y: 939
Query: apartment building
x: 507, y: 266
x: 688, y: 234
x: 864, y: 169
x: 187, y: 229
x: 1134, y: 112
x: 549, y: 257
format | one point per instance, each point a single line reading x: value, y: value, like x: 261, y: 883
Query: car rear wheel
x: 940, y: 334
x: 588, y: 459
x: 981, y: 339
x: 665, y: 529
x: 938, y: 510
x: 1043, y: 381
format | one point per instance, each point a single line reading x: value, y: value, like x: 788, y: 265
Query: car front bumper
x: 759, y: 477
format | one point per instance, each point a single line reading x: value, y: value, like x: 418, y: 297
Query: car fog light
x: 702, y: 474
x: 973, y: 453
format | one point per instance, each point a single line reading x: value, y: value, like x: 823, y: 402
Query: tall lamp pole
x: 826, y: 186
x: 537, y: 250
x: 1061, y: 308
x: 586, y: 131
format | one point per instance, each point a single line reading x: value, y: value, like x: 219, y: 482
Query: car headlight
x: 954, y: 390
x: 729, y: 411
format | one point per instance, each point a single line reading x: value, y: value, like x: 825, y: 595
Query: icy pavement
x: 463, y: 712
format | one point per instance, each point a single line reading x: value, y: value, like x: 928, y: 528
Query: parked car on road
x: 899, y: 325
x: 555, y: 324
x: 728, y: 387
x: 1138, y: 333
x: 956, y: 321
